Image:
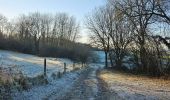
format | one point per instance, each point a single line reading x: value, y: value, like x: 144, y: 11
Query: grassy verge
x: 136, y: 84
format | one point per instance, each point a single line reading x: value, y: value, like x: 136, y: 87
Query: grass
x: 5, y: 87
x: 136, y: 83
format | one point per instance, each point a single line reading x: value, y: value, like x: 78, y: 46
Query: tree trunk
x: 106, y: 60
x: 143, y: 58
x: 111, y: 60
x: 36, y: 44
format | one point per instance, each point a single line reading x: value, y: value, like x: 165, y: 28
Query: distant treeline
x: 43, y: 35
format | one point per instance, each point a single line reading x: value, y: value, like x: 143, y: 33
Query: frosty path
x: 87, y: 87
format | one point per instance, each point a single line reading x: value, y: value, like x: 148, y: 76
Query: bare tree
x: 65, y: 27
x: 3, y: 23
x: 137, y: 13
x: 97, y: 25
x: 161, y: 9
x: 46, y: 28
x: 111, y: 31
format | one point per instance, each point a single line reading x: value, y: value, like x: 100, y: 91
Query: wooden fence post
x: 44, y: 66
x: 59, y: 75
x: 73, y: 66
x: 65, y: 67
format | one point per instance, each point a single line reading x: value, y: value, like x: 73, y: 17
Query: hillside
x: 31, y: 65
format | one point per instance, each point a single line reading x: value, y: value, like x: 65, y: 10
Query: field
x: 31, y: 65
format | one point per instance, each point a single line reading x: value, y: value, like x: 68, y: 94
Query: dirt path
x: 87, y: 87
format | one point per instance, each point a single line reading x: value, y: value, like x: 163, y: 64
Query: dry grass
x: 136, y: 84
x: 5, y: 76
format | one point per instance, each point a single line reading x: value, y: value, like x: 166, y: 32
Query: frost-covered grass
x: 31, y: 65
x: 24, y: 72
x: 55, y: 88
x: 132, y: 87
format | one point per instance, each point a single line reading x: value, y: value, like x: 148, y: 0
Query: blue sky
x: 77, y: 8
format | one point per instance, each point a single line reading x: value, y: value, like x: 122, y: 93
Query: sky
x: 77, y: 8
